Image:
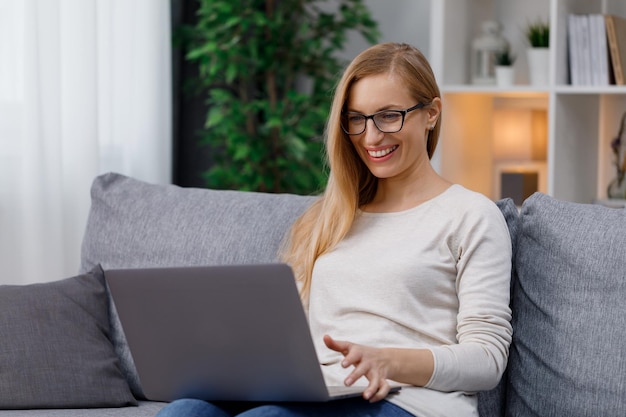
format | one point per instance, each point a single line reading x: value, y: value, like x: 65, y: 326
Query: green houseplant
x: 268, y: 68
x: 505, y: 58
x: 537, y: 34
x: 504, y: 67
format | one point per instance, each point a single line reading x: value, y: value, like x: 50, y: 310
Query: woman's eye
x: 389, y: 116
x: 355, y: 118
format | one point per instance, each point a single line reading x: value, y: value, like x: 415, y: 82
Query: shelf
x: 529, y: 90
x: 593, y: 89
x: 569, y: 127
x: 515, y: 90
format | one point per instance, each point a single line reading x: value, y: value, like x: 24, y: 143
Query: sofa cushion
x: 144, y: 409
x: 569, y: 331
x: 491, y: 403
x: 135, y: 224
x: 55, y: 350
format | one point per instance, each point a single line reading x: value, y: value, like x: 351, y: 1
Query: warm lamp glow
x: 519, y: 135
x: 511, y: 134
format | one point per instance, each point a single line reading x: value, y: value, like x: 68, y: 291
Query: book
x: 581, y: 49
x: 573, y: 50
x: 616, y: 39
x: 585, y: 50
x: 599, y: 50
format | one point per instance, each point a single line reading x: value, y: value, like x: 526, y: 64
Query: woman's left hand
x: 373, y: 363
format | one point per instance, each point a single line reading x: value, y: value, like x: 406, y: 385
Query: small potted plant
x: 538, y: 34
x: 504, y: 67
x: 538, y: 37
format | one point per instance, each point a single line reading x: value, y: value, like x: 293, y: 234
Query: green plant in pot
x: 505, y: 58
x: 504, y: 67
x: 538, y: 36
x: 268, y: 68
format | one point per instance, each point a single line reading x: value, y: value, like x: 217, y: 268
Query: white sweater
x: 436, y: 276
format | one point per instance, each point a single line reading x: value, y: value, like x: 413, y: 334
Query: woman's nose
x: 373, y: 135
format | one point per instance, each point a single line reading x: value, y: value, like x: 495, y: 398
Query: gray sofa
x: 63, y: 353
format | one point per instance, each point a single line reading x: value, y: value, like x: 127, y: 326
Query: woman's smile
x: 382, y: 153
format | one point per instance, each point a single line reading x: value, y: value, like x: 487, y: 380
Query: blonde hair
x: 351, y: 185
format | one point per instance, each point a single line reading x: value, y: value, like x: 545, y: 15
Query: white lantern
x: 484, y: 51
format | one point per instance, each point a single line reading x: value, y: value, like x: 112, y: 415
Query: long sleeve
x: 483, y: 323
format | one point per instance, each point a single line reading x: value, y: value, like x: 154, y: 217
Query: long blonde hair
x: 351, y: 185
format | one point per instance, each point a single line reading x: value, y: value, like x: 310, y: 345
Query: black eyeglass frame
x: 371, y: 116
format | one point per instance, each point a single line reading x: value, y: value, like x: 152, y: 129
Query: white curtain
x: 85, y: 88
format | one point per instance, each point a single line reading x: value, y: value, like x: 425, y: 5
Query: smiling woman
x: 405, y: 275
x: 84, y: 89
x: 389, y: 231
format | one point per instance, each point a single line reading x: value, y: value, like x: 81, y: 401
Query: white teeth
x: 383, y: 152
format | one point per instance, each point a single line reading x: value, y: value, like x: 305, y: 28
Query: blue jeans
x: 354, y: 407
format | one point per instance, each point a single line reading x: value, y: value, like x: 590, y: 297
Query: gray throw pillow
x: 136, y: 224
x: 55, y: 350
x: 569, y: 311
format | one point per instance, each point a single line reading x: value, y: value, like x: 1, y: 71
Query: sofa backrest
x: 135, y: 224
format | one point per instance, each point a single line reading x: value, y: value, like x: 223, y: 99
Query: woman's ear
x: 434, y: 110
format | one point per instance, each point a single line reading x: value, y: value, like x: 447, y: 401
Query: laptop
x: 231, y: 333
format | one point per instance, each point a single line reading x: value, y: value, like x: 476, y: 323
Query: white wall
x: 405, y: 21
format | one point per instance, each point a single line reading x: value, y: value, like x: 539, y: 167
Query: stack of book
x: 597, y: 49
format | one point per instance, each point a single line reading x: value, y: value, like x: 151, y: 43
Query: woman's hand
x: 373, y: 363
x: 378, y: 365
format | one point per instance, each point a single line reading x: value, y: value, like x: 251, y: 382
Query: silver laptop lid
x: 218, y: 333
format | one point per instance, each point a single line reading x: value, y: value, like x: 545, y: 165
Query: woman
x: 405, y: 276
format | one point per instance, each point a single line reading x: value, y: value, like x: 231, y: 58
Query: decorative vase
x: 504, y: 75
x: 617, y: 188
x: 484, y: 50
x: 538, y: 65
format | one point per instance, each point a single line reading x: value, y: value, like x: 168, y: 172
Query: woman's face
x: 390, y: 155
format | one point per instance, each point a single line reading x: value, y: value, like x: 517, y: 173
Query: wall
x: 399, y: 21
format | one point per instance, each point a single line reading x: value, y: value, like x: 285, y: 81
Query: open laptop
x: 232, y: 333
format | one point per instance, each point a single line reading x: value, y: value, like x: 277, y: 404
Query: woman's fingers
x: 343, y: 347
x: 367, y: 363
x: 337, y: 345
x: 378, y: 391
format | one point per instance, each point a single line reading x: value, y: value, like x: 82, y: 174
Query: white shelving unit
x: 569, y: 128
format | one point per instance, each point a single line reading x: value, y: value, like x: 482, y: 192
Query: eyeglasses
x: 387, y: 121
